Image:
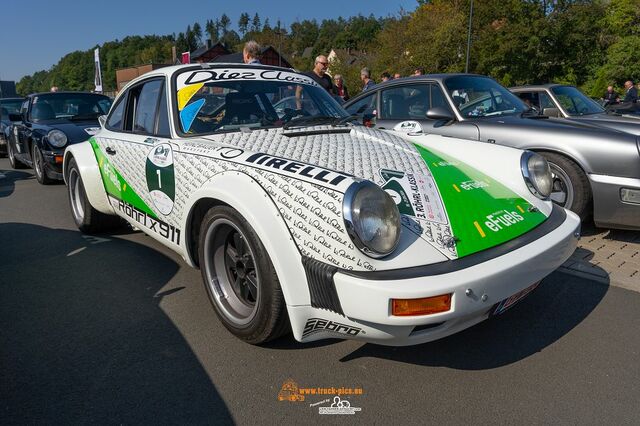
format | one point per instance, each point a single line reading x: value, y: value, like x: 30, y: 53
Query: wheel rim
x: 37, y: 161
x: 562, y: 191
x: 232, y: 277
x: 12, y: 159
x: 75, y: 195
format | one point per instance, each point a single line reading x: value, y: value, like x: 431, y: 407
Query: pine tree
x: 255, y: 24
x: 243, y: 23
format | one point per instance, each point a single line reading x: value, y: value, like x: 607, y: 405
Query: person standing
x: 341, y: 88
x: 385, y: 76
x: 631, y: 93
x: 397, y: 75
x: 320, y: 76
x: 419, y: 71
x: 610, y: 96
x: 367, y: 82
x: 251, y: 52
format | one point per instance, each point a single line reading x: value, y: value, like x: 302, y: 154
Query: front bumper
x: 366, y: 300
x: 609, y: 211
x: 53, y: 163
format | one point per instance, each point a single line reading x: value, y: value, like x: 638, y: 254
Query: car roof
x: 12, y: 99
x: 537, y: 86
x: 63, y: 92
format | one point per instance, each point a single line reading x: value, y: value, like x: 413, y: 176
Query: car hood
x: 76, y: 131
x: 629, y: 124
x: 455, y: 207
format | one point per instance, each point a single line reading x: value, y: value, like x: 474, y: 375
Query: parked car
x: 8, y: 106
x: 626, y: 109
x: 310, y: 223
x: 595, y: 170
x: 47, y: 124
x: 567, y: 102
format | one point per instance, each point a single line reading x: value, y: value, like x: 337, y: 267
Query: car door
x: 135, y: 153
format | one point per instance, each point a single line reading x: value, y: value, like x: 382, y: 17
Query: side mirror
x: 102, y: 120
x: 441, y: 114
x: 551, y: 112
x: 15, y: 117
x: 369, y: 120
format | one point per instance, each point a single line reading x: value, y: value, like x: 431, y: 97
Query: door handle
x: 110, y: 151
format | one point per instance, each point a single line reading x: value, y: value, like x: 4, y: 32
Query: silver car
x: 596, y: 170
x: 567, y: 102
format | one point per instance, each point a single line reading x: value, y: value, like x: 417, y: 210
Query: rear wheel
x: 87, y: 219
x: 239, y: 277
x: 38, y: 166
x: 571, y: 188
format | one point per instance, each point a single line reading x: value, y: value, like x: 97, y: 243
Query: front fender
x: 245, y: 195
x: 90, y: 174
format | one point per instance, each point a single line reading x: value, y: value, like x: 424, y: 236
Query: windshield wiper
x: 305, y: 121
x: 85, y: 116
x: 344, y: 120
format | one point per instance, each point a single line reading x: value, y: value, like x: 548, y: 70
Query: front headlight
x: 537, y: 174
x: 372, y: 219
x: 57, y: 138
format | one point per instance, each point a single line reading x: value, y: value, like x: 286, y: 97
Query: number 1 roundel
x: 161, y: 177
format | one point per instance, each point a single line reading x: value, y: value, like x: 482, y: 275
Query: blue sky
x: 35, y: 34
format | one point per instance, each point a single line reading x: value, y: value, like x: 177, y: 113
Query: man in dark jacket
x: 610, y: 96
x: 631, y: 93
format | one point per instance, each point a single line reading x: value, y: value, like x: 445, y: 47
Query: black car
x: 8, y: 106
x: 47, y: 123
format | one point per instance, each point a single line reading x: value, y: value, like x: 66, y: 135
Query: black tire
x: 38, y: 166
x: 15, y: 164
x: 253, y: 316
x: 569, y: 177
x: 87, y: 219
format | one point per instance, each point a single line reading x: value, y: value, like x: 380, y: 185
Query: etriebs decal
x: 415, y: 195
x: 160, y: 177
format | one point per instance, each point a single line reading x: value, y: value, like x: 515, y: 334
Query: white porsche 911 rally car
x: 301, y: 220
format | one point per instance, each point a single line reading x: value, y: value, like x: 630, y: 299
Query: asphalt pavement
x: 117, y: 329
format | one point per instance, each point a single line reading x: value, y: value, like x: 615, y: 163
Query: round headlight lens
x: 372, y: 219
x: 537, y: 174
x: 57, y: 138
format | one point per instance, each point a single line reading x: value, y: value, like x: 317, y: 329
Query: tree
x: 197, y: 33
x: 211, y: 29
x: 243, y: 23
x: 255, y: 24
x: 224, y: 24
x: 266, y: 26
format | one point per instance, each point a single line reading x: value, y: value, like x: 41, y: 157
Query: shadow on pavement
x: 558, y: 305
x: 84, y: 340
x: 7, y: 184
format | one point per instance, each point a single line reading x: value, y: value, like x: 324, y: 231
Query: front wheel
x: 87, y: 219
x: 38, y: 166
x: 571, y: 188
x: 239, y: 277
x: 13, y: 161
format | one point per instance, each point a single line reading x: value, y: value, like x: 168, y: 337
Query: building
x: 219, y: 53
x: 125, y: 75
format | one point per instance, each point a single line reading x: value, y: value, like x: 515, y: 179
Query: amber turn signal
x: 424, y: 306
x: 58, y: 159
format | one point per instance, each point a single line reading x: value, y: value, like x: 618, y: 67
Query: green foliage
x: 589, y: 43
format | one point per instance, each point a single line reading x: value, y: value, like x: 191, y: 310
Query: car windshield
x: 222, y: 100
x: 476, y: 96
x: 69, y: 106
x: 575, y: 102
x: 10, y: 106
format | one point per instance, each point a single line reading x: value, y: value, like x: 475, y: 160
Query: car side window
x: 144, y: 118
x: 437, y: 98
x: 406, y: 102
x: 115, y: 120
x: 24, y: 108
x: 366, y: 105
x: 544, y: 100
